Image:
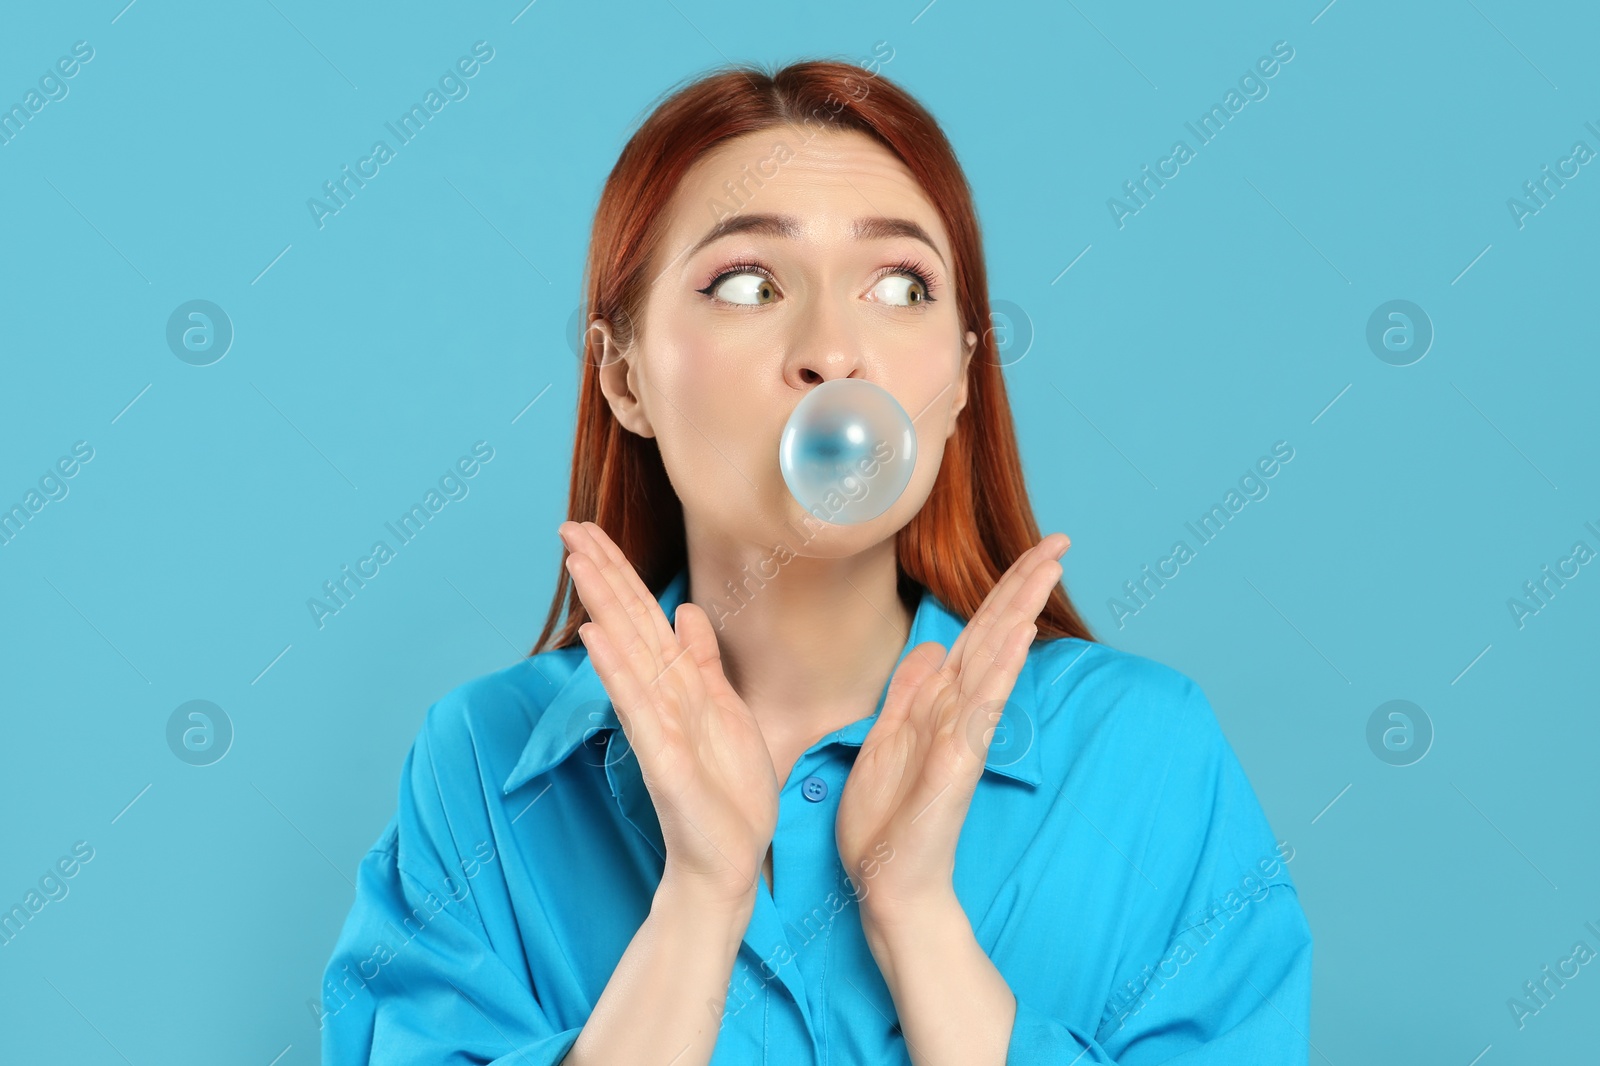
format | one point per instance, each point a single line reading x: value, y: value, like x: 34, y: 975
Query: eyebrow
x: 876, y: 228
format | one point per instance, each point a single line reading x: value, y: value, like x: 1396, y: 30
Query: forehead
x: 826, y: 179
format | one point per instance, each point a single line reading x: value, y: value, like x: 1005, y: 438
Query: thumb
x: 920, y: 663
x: 699, y: 639
x: 694, y: 632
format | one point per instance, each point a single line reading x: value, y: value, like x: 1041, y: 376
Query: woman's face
x: 835, y: 266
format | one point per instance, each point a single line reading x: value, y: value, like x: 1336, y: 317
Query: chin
x: 811, y: 534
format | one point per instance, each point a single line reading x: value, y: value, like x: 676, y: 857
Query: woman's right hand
x: 701, y: 753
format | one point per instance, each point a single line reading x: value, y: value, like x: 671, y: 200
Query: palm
x: 906, y: 798
x: 701, y: 753
x: 712, y: 767
x: 906, y: 764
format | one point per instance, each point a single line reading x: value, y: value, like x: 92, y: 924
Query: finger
x: 1025, y: 587
x: 985, y: 619
x: 663, y: 629
x: 630, y: 617
x: 699, y: 642
x: 996, y: 641
x: 635, y: 707
x: 697, y: 636
x: 1026, y: 602
x: 1027, y: 598
x: 920, y: 663
x: 583, y: 542
x: 600, y: 599
x: 988, y: 687
x: 590, y: 540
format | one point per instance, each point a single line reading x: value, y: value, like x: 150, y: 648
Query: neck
x: 805, y: 642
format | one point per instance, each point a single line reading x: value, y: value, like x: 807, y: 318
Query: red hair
x: 976, y: 520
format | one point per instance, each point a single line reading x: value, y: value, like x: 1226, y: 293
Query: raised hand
x: 701, y: 753
x: 906, y: 799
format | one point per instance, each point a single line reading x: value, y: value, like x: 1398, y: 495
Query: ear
x: 970, y: 347
x: 619, y: 379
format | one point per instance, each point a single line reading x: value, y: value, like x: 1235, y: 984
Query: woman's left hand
x: 906, y: 799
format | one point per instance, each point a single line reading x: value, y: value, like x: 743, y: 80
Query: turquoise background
x: 368, y: 355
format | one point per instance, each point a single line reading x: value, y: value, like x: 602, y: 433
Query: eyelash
x: 904, y: 266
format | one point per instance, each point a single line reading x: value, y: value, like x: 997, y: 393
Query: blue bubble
x: 847, y: 451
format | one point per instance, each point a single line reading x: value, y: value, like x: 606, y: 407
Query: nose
x: 825, y: 347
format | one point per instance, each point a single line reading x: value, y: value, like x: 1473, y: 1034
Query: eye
x: 745, y: 285
x: 901, y: 291
x: 906, y: 285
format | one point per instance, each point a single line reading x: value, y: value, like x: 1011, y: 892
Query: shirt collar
x: 581, y: 706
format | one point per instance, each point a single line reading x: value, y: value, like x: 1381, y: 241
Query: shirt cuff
x: 1039, y: 1040
x: 548, y: 1051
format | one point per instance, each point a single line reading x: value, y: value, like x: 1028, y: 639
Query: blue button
x: 814, y: 788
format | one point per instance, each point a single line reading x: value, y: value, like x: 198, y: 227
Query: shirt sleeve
x: 413, y: 979
x: 1241, y: 997
x: 1219, y: 970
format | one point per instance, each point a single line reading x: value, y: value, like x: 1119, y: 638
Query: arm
x: 921, y: 761
x: 1215, y: 970
x: 419, y: 977
x: 711, y: 779
x: 413, y: 980
x: 1233, y: 991
x: 667, y: 992
x: 953, y: 1004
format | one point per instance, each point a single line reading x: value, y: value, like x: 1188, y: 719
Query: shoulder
x: 484, y: 721
x: 1122, y: 724
x: 1138, y: 744
x: 470, y: 739
x: 1083, y: 686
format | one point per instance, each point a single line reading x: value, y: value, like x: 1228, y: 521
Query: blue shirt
x: 1115, y: 865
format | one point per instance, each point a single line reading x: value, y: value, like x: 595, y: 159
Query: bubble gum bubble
x: 847, y: 451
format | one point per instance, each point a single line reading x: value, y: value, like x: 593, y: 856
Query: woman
x: 674, y: 834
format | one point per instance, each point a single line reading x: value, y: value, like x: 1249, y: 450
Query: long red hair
x: 977, y: 519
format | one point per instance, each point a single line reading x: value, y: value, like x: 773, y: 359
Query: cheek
x: 931, y: 444
x: 717, y: 424
x: 929, y: 407
x: 698, y: 385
